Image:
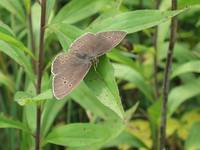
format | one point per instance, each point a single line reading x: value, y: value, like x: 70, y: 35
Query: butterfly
x: 70, y: 68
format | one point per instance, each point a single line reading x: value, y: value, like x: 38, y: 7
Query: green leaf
x: 50, y: 111
x: 115, y: 128
x: 27, y: 4
x: 133, y: 21
x: 24, y: 98
x: 126, y: 138
x: 85, y: 97
x: 7, y: 81
x: 154, y: 111
x: 188, y: 3
x: 129, y: 113
x: 121, y: 57
x: 192, y: 66
x: 104, y: 87
x: 6, y: 122
x: 49, y: 9
x: 30, y: 116
x: 182, y: 93
x: 36, y: 16
x: 18, y: 56
x: 81, y: 134
x: 66, y: 33
x: 192, y: 141
x: 44, y: 95
x: 6, y: 29
x: 14, y: 7
x: 77, y: 10
x: 181, y: 53
x: 126, y: 73
x: 11, y: 40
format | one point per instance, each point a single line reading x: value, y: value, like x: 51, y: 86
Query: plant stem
x: 166, y: 78
x: 40, y: 71
x: 155, y: 62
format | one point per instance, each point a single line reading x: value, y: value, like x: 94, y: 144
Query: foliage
x: 98, y: 114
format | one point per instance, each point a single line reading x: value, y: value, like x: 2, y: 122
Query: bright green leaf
x: 104, y: 87
x: 133, y: 21
x: 49, y: 8
x: 18, y: 56
x: 182, y: 93
x: 24, y: 98
x: 121, y: 57
x: 126, y: 138
x: 11, y: 40
x: 77, y: 10
x: 192, y: 142
x: 131, y: 75
x: 85, y: 97
x: 78, y: 134
x: 51, y: 108
x: 192, y: 66
x: 66, y: 33
x: 27, y: 4
x: 188, y: 3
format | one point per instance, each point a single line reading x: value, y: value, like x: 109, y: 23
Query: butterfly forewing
x: 84, y: 45
x: 107, y: 41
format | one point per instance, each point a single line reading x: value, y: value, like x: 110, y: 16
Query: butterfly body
x: 70, y: 68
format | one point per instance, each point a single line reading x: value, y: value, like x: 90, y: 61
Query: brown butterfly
x: 70, y: 68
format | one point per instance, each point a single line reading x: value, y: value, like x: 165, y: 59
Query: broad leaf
x: 104, y: 87
x: 66, y: 33
x: 126, y: 138
x: 188, y: 3
x: 50, y: 111
x: 133, y: 21
x: 24, y: 98
x: 192, y: 66
x: 77, y: 10
x: 131, y: 75
x: 121, y: 57
x: 182, y: 93
x: 78, y: 134
x: 85, y: 97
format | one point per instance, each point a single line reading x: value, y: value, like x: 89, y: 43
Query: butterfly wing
x: 68, y: 71
x: 83, y: 45
x: 107, y: 41
x: 60, y: 61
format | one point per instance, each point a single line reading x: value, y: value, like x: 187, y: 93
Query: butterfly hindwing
x: 68, y: 75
